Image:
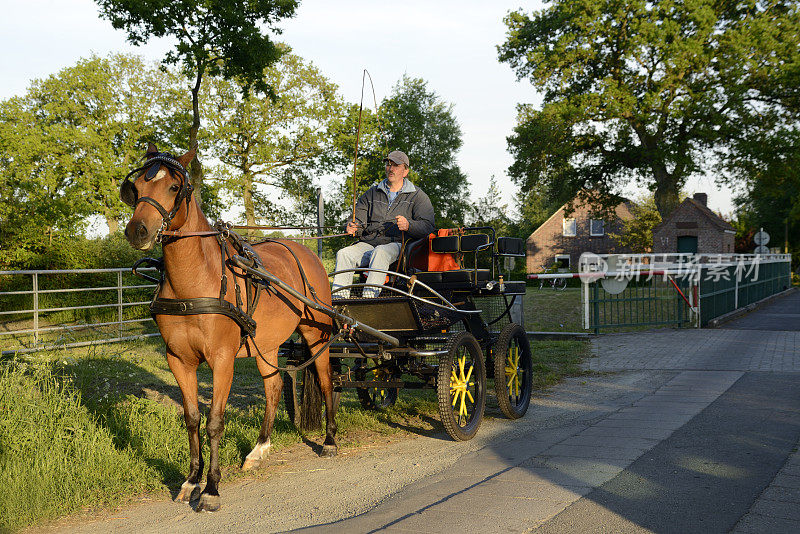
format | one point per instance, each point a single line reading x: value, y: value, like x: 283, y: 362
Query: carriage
x: 447, y: 330
x: 219, y: 297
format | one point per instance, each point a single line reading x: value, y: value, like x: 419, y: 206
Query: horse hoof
x: 208, y: 503
x: 329, y: 451
x: 249, y: 464
x: 187, y: 493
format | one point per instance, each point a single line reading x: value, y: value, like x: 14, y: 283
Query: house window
x: 597, y: 227
x: 569, y: 227
x: 562, y: 262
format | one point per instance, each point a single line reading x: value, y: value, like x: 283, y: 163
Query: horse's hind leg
x: 272, y: 391
x: 186, y: 376
x: 316, y: 338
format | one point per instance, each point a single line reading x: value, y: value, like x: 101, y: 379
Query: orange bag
x: 435, y: 261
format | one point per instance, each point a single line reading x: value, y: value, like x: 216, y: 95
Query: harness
x: 241, y: 312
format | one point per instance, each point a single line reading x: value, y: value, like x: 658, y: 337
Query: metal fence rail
x: 42, y: 309
x: 688, y: 292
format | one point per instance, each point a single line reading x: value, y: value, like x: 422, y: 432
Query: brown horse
x: 193, y: 268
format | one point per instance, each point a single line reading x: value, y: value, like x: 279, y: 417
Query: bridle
x: 130, y: 196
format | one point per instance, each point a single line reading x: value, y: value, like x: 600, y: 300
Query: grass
x: 549, y: 310
x: 94, y: 427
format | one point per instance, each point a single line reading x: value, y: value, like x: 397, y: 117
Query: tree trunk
x: 667, y: 189
x: 249, y: 206
x: 113, y: 225
x: 195, y: 168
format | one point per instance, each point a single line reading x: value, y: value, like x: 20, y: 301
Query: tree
x: 273, y: 144
x: 418, y: 122
x: 422, y: 125
x: 68, y: 141
x: 490, y: 211
x: 644, y: 91
x: 637, y: 233
x: 215, y: 38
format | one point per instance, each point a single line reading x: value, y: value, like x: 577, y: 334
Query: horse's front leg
x: 222, y: 371
x: 186, y: 376
x: 273, y: 385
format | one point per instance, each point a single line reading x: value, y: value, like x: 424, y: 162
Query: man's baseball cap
x: 398, y: 157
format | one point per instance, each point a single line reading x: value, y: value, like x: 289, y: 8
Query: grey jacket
x: 377, y: 218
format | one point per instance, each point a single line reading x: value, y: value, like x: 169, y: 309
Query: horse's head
x: 157, y: 191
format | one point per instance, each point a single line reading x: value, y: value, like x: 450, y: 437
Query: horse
x: 194, y: 267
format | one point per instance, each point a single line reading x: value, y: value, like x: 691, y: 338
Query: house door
x: 687, y: 244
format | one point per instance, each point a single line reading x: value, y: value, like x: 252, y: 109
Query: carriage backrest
x: 454, y: 244
x: 510, y: 246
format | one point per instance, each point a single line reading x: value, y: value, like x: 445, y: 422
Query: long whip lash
x: 358, y: 130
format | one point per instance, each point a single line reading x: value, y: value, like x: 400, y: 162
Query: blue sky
x: 450, y: 44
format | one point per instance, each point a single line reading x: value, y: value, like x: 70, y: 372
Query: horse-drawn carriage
x: 445, y: 330
x: 220, y: 297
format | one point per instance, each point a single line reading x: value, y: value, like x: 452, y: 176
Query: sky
x: 448, y: 43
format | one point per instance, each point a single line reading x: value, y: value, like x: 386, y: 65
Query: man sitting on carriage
x: 389, y: 213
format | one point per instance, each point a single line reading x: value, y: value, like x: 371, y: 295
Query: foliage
x: 65, y: 145
x: 422, y: 125
x: 417, y: 121
x: 488, y: 211
x: 771, y: 199
x: 272, y: 143
x: 644, y: 90
x: 216, y: 38
x: 636, y: 234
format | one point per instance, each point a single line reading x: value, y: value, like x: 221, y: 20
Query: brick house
x: 562, y: 239
x: 693, y: 227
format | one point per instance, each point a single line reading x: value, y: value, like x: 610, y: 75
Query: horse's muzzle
x: 139, y: 236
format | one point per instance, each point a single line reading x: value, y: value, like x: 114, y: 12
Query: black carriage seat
x: 457, y: 279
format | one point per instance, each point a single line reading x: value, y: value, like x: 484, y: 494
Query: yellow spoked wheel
x: 513, y: 371
x: 378, y: 397
x: 461, y: 386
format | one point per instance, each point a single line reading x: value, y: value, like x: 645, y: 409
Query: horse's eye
x: 175, y: 188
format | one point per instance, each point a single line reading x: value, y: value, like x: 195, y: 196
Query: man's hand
x: 352, y: 228
x: 402, y: 223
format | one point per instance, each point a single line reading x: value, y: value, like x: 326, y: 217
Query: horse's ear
x: 152, y: 150
x: 187, y: 158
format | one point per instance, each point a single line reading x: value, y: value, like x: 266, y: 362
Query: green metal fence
x: 647, y: 302
x: 685, y: 294
x: 729, y: 286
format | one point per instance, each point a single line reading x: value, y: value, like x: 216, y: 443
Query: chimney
x: 702, y: 198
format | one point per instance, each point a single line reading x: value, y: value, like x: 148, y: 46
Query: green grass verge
x: 92, y: 428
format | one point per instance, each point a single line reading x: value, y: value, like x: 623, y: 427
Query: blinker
x: 128, y: 193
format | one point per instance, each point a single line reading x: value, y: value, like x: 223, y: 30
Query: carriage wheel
x: 374, y: 398
x: 461, y: 386
x: 513, y: 371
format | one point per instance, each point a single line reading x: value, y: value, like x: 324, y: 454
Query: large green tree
x: 419, y: 122
x: 271, y: 147
x: 644, y: 91
x: 213, y: 37
x: 66, y: 143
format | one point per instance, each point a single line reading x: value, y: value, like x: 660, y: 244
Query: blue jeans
x: 364, y: 255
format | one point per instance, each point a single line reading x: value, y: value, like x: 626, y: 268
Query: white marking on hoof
x: 329, y: 451
x: 187, y: 491
x: 259, y: 452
